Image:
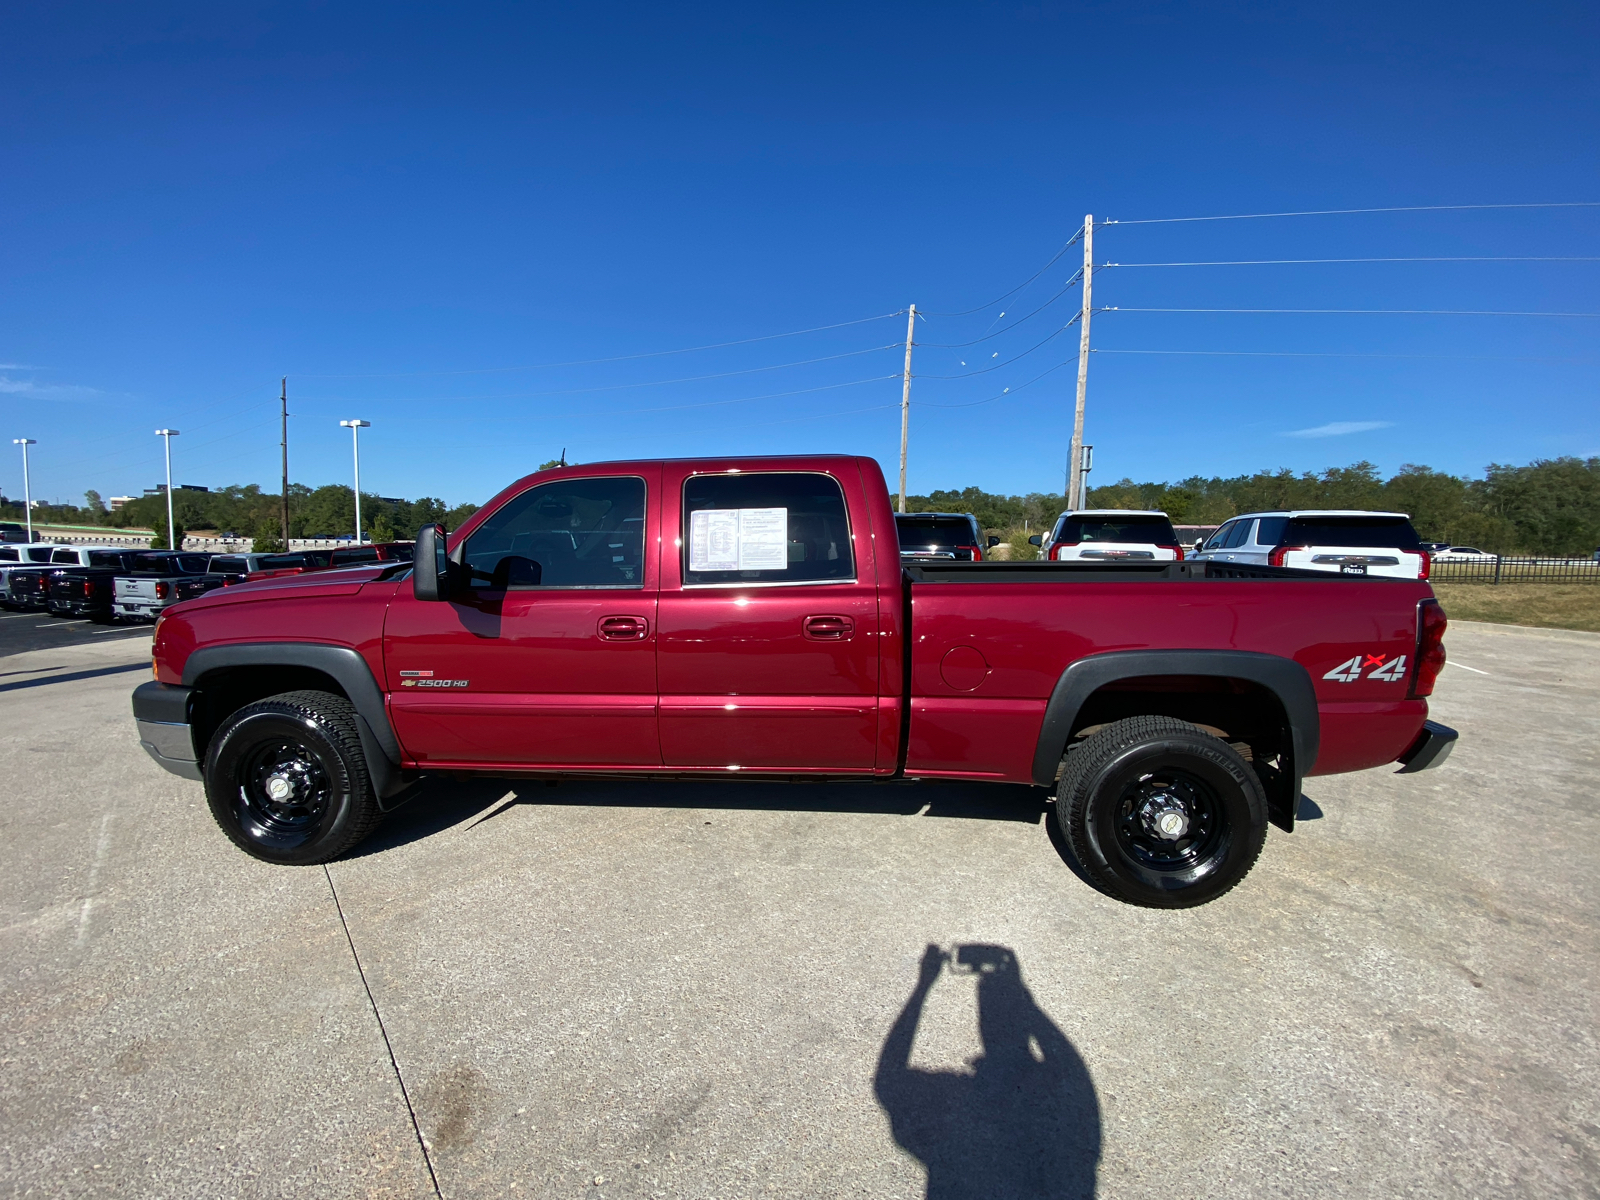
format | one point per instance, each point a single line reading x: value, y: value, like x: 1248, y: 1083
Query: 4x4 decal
x: 1389, y: 670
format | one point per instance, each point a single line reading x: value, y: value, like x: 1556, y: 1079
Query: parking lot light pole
x: 172, y: 530
x: 27, y: 491
x: 355, y: 428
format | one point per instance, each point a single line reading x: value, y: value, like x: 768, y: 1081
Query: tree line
x: 248, y: 512
x: 1550, y: 506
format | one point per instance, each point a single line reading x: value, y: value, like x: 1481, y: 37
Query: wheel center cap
x: 279, y: 788
x: 1165, y: 817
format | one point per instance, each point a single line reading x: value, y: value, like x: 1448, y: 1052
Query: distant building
x: 117, y: 502
x: 160, y: 489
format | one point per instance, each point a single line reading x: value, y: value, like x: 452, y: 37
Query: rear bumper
x: 150, y: 609
x: 1432, y: 747
x: 161, y: 711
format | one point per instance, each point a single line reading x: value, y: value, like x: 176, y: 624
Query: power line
x: 1346, y: 354
x: 584, y: 362
x: 1007, y: 295
x: 1337, y: 212
x: 1426, y: 312
x: 1070, y: 284
x: 1001, y: 395
x: 1278, y: 262
x: 1009, y: 361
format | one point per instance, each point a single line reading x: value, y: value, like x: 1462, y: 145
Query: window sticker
x: 739, y: 539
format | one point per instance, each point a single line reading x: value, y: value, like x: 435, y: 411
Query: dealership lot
x: 602, y: 989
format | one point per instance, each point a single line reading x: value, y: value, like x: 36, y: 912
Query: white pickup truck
x: 161, y: 578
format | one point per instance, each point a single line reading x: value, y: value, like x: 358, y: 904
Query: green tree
x: 161, y: 541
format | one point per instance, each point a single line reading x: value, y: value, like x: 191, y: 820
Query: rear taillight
x: 163, y: 590
x: 1279, y: 553
x: 977, y: 552
x: 88, y: 587
x: 1176, y: 550
x: 1055, y: 551
x: 1430, y: 647
x: 1427, y: 564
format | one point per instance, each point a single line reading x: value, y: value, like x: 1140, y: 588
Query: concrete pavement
x: 723, y: 990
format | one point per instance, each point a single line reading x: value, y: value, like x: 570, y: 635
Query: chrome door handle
x: 623, y: 629
x: 829, y: 629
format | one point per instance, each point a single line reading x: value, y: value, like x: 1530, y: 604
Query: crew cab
x: 751, y: 617
x: 85, y: 590
x: 1345, y: 541
x: 1110, y: 535
x: 159, y: 579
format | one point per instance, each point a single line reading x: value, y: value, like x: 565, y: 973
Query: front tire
x: 286, y: 779
x: 1160, y: 814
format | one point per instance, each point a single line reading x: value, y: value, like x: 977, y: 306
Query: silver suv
x: 1341, y: 541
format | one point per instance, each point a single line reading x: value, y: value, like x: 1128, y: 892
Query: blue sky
x: 412, y: 211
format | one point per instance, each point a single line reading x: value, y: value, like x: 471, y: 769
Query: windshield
x: 1141, y: 530
x: 1386, y: 533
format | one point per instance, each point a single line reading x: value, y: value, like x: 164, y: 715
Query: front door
x: 769, y: 656
x: 546, y: 657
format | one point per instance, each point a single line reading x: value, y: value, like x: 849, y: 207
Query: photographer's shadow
x: 1024, y: 1122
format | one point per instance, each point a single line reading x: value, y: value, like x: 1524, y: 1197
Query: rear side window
x: 572, y: 533
x: 935, y: 531
x: 1383, y: 533
x: 9, y: 554
x: 1148, y: 531
x: 765, y: 527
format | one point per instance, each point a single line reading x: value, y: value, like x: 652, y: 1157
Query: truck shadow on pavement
x: 439, y: 804
x: 1023, y: 1121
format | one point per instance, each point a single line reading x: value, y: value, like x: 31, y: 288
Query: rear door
x: 769, y: 656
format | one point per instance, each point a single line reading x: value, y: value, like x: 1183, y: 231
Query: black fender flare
x: 347, y: 668
x: 1283, y: 677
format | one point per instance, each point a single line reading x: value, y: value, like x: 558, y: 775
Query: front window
x: 572, y: 533
x: 765, y: 527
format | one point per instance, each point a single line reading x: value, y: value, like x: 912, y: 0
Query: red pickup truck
x: 752, y: 617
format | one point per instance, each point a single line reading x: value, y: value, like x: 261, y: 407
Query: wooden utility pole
x: 283, y: 400
x: 905, y: 404
x: 1075, y: 462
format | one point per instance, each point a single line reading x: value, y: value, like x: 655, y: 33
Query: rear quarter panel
x: 972, y: 721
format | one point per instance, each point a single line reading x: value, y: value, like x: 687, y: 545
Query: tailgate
x: 135, y: 587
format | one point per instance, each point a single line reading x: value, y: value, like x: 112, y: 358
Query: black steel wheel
x: 287, y: 781
x: 1161, y: 814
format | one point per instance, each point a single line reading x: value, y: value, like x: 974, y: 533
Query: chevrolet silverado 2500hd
x: 752, y: 617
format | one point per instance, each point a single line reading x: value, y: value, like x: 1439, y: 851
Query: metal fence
x: 1494, y: 568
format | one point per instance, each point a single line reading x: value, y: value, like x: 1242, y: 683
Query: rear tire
x: 1160, y: 814
x: 286, y: 779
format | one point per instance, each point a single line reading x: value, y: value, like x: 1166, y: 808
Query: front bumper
x: 1432, y: 747
x: 161, y: 711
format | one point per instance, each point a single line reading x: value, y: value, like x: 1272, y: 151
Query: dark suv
x: 942, y: 536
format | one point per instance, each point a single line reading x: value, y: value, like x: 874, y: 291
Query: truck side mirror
x: 993, y: 541
x: 1036, y: 540
x: 430, y: 569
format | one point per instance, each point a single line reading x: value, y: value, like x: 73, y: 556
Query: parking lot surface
x: 718, y: 990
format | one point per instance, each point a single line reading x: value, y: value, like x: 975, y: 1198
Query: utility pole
x: 27, y: 488
x: 172, y: 530
x: 905, y: 404
x: 1075, y: 457
x: 283, y: 399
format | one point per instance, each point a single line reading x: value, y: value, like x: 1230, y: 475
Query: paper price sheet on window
x: 739, y: 539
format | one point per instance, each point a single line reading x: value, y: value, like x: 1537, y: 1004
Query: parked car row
x: 105, y: 583
x: 1344, y: 542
